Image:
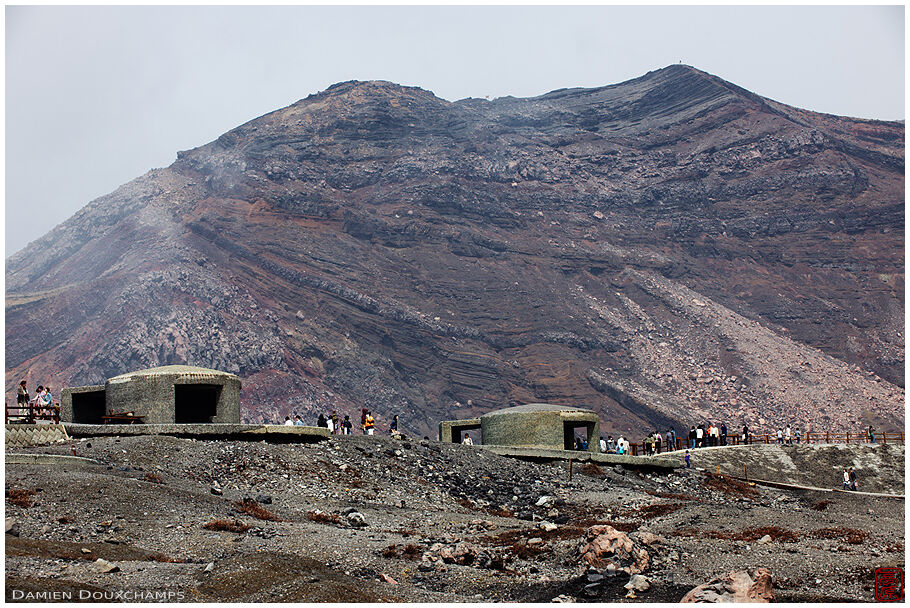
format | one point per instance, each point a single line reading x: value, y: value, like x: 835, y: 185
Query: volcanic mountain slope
x: 664, y: 250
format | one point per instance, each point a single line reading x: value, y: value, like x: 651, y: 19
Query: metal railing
x: 768, y: 438
x: 31, y: 413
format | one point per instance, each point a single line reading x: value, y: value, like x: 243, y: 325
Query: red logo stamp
x: 889, y: 584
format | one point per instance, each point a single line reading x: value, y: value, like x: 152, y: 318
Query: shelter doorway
x: 196, y: 403
x: 460, y: 431
x: 88, y: 407
x: 571, y: 430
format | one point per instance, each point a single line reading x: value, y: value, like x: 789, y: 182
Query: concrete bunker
x: 535, y: 425
x: 171, y: 394
x: 454, y: 431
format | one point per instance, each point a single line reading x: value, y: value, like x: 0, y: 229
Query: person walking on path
x: 788, y: 436
x: 798, y: 435
x: 688, y: 466
x: 853, y: 483
x: 871, y: 435
x: 846, y: 480
x: 780, y: 437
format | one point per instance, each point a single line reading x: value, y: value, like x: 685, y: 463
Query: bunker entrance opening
x: 582, y: 431
x: 195, y: 403
x: 459, y: 432
x: 88, y: 407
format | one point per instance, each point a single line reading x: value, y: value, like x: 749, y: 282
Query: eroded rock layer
x: 664, y: 250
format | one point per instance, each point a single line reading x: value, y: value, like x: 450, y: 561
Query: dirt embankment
x: 879, y: 467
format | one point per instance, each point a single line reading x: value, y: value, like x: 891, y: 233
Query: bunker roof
x: 532, y: 408
x: 182, y: 371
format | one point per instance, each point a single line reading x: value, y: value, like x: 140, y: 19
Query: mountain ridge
x: 374, y: 245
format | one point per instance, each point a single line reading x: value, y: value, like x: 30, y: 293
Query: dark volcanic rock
x: 668, y: 247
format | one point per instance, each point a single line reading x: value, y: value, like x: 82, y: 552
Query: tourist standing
x: 700, y: 436
x: 611, y: 445
x: 745, y: 435
x: 780, y: 436
x: 687, y: 460
x: 321, y: 422
x: 798, y: 435
x: 723, y: 433
x: 347, y: 427
x: 671, y: 440
x: 336, y: 426
x: 368, y: 424
x: 393, y: 427
x: 871, y: 435
x: 467, y: 440
x: 330, y: 424
x: 297, y: 420
x: 22, y: 397
x: 693, y: 434
x: 787, y: 435
x: 603, y: 445
x: 852, y: 479
x: 363, y: 420
x: 846, y: 480
x: 289, y: 422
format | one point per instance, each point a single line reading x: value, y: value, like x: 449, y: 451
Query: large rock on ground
x: 604, y: 545
x: 737, y: 586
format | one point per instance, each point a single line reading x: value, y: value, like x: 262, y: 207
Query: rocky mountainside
x: 664, y: 250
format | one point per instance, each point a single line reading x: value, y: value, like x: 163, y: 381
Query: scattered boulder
x: 264, y: 499
x: 604, y: 545
x: 639, y: 583
x: 388, y: 579
x: 736, y: 586
x: 209, y: 567
x: 764, y: 540
x: 216, y: 491
x: 647, y: 538
x: 356, y: 519
x: 548, y: 526
x: 12, y: 527
x: 104, y: 566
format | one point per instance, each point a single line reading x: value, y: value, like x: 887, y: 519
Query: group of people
x: 43, y: 400
x: 786, y: 436
x: 344, y: 426
x: 609, y: 446
x: 850, y: 482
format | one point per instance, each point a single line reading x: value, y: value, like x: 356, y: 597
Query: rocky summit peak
x: 664, y: 251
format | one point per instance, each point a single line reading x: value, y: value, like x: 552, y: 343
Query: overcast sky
x: 96, y: 96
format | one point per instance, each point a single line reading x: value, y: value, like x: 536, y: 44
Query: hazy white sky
x: 96, y: 96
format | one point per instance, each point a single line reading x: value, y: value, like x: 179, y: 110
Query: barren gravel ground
x: 424, y: 507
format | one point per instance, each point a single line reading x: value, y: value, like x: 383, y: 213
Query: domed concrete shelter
x: 535, y: 425
x: 179, y: 394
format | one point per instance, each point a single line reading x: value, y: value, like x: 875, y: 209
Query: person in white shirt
x: 603, y: 445
x: 468, y: 440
